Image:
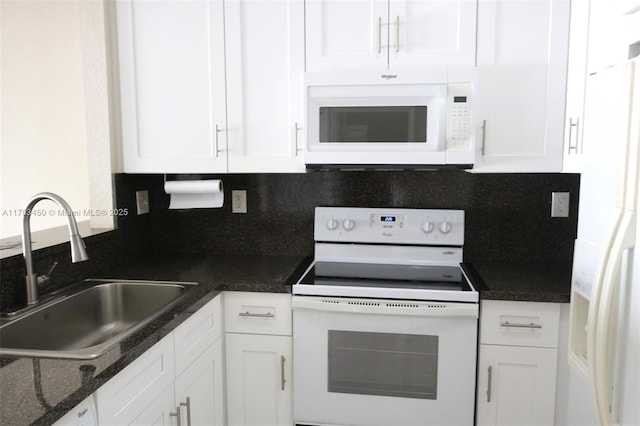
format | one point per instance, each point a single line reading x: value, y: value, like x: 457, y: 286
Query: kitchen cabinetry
x: 179, y: 376
x: 576, y: 86
x: 522, y: 62
x: 211, y: 86
x: 141, y: 391
x: 517, y: 363
x: 389, y: 34
x: 258, y: 349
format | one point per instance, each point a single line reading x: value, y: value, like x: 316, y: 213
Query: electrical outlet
x: 142, y: 202
x: 559, y: 204
x: 239, y: 201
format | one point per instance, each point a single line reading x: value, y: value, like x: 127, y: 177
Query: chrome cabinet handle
x: 379, y: 34
x: 256, y: 315
x: 397, y: 34
x: 188, y: 405
x: 484, y: 137
x: 176, y: 415
x: 296, y: 129
x: 518, y: 325
x: 573, y: 124
x: 215, y: 143
x: 282, y: 379
x: 489, y: 372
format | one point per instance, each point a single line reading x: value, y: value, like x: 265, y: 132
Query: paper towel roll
x: 195, y: 194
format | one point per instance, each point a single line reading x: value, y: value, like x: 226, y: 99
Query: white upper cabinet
x: 576, y: 86
x: 522, y: 71
x: 171, y: 58
x: 389, y: 34
x: 265, y: 66
x: 211, y: 86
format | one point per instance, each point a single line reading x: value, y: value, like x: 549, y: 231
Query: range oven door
x: 383, y: 362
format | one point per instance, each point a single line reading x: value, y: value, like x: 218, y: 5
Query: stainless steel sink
x: 85, y: 320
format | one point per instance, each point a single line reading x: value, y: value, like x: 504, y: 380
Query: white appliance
x: 385, y: 321
x: 397, y: 121
x: 604, y: 344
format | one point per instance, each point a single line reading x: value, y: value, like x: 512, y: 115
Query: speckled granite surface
x: 525, y: 281
x: 40, y: 391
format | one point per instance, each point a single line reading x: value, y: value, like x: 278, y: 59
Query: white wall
x: 53, y: 102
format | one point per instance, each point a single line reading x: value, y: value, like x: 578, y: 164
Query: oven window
x: 396, y: 124
x: 384, y: 364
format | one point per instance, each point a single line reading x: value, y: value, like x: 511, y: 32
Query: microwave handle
x: 379, y: 34
x: 397, y: 33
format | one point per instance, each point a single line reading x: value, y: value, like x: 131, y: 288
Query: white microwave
x: 389, y: 125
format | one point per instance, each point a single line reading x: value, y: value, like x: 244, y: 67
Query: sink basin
x: 87, y: 319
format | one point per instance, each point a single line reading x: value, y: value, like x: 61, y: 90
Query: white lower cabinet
x: 199, y: 390
x: 517, y: 363
x: 158, y: 412
x: 258, y: 359
x: 259, y: 380
x: 516, y: 385
x: 187, y: 363
x: 137, y: 392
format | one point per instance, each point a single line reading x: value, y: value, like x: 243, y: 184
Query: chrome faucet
x: 78, y: 249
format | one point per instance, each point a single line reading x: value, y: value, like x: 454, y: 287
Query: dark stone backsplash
x: 507, y: 215
x: 507, y: 219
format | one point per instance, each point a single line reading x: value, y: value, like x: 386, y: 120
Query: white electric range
x: 385, y: 321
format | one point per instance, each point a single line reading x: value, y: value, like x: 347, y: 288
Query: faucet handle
x: 43, y: 279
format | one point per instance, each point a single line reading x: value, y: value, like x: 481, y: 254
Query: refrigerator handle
x: 594, y: 306
x: 605, y: 323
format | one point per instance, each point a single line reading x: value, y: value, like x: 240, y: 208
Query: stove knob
x: 332, y: 224
x: 348, y: 224
x: 445, y: 227
x: 427, y: 227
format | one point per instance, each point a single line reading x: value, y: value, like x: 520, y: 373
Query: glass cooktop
x: 383, y: 276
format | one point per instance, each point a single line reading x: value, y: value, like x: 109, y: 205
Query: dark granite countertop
x: 40, y: 391
x: 525, y: 281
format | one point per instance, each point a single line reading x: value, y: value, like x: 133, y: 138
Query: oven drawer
x: 519, y: 323
x: 257, y: 313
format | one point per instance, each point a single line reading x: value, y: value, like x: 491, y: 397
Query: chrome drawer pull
x: 516, y: 325
x: 254, y: 315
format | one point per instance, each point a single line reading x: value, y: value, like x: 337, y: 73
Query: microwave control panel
x: 459, y: 117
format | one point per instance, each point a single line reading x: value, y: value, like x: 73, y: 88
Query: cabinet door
x: 122, y: 400
x: 172, y: 93
x: 576, y: 82
x: 432, y: 33
x: 259, y: 380
x: 265, y: 65
x: 199, y: 390
x: 516, y: 385
x: 346, y: 34
x: 522, y: 64
x: 160, y: 412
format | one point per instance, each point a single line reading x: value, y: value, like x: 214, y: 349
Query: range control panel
x: 391, y: 226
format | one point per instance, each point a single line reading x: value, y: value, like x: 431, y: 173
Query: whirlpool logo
x: 389, y: 76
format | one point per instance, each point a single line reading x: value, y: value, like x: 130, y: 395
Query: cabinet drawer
x: 519, y: 323
x: 257, y: 313
x: 197, y: 333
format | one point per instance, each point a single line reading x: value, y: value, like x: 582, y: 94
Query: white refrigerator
x: 604, y: 341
